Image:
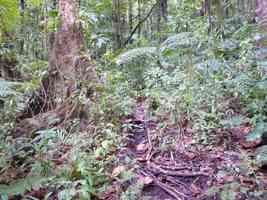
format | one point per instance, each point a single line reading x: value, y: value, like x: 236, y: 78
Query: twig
x: 157, y: 169
x: 170, y: 165
x: 149, y: 154
x: 174, y: 180
x: 170, y: 190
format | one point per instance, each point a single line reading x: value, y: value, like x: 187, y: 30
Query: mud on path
x: 180, y: 171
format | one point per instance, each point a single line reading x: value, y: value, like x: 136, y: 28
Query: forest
x: 133, y: 99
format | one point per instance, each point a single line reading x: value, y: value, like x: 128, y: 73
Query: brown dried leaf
x: 250, y: 144
x: 195, y: 189
x: 247, y: 181
x: 118, y: 170
x: 241, y: 131
x: 226, y: 179
x: 190, y: 155
x: 146, y: 180
x: 141, y: 147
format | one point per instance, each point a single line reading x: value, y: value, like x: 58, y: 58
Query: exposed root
x: 155, y: 168
x: 45, y: 120
x: 167, y: 188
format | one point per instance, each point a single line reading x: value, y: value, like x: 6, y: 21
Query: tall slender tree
x: 130, y: 15
x: 116, y: 23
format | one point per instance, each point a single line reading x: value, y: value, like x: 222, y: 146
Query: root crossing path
x: 167, y: 171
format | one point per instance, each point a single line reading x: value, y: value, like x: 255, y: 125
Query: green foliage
x: 183, y: 40
x: 9, y: 14
x: 133, y: 192
x: 7, y: 88
x: 234, y: 121
x: 258, y: 133
x: 261, y: 156
x: 136, y: 54
x: 35, y: 3
x: 206, y: 71
x: 21, y: 186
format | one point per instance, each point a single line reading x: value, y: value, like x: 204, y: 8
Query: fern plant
x: 7, y: 88
x: 180, y: 41
x: 135, y: 54
x: 21, y: 186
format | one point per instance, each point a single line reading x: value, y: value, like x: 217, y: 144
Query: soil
x: 185, y: 170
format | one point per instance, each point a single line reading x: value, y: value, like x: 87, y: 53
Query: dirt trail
x: 182, y: 169
x: 167, y: 174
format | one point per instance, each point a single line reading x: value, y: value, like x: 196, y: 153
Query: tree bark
x: 67, y: 65
x: 139, y: 18
x: 261, y: 13
x: 68, y: 43
x: 116, y: 23
x: 130, y: 15
x: 69, y: 71
x: 164, y: 9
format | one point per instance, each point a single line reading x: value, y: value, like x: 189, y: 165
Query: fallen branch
x: 156, y: 169
x: 150, y: 147
x: 170, y: 190
x: 170, y: 165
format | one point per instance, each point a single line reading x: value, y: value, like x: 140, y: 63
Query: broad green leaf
x: 228, y: 45
x: 261, y: 156
x: 262, y: 84
x: 21, y: 186
x: 258, y: 132
x: 36, y: 3
x: 234, y: 121
x: 53, y: 13
x: 227, y: 195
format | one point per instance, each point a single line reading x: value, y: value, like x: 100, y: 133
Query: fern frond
x: 21, y: 186
x: 7, y: 88
x: 134, y: 54
x: 181, y: 40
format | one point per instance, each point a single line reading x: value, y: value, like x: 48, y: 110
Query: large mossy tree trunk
x: 66, y: 53
x: 69, y: 70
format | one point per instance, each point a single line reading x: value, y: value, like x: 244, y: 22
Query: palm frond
x: 133, y: 54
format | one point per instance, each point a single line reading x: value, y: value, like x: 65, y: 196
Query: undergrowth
x: 213, y: 83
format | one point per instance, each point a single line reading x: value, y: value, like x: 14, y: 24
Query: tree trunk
x: 69, y: 43
x: 164, y: 9
x: 139, y: 18
x: 261, y: 13
x: 69, y: 70
x: 22, y: 11
x: 116, y: 23
x: 159, y: 19
x: 130, y: 15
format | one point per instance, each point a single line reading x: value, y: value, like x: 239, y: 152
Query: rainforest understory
x: 133, y: 100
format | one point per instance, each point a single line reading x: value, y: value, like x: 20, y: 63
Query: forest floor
x: 165, y: 163
x: 185, y: 170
